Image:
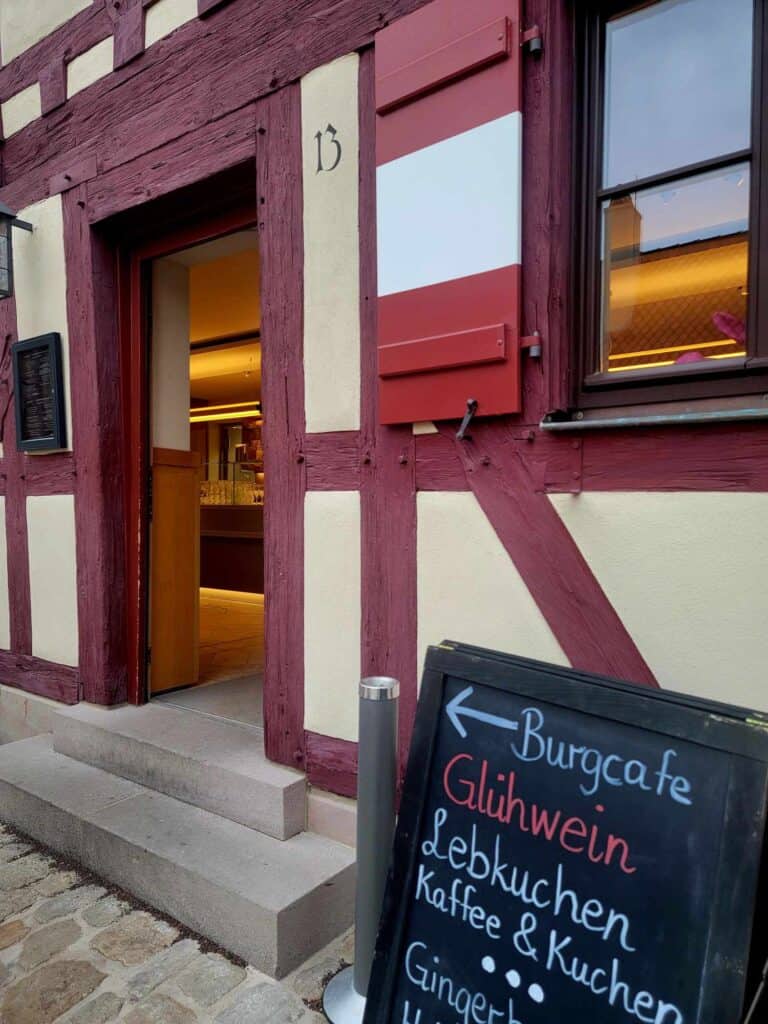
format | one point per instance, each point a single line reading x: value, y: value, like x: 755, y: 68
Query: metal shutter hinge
x: 532, y: 344
x: 532, y: 40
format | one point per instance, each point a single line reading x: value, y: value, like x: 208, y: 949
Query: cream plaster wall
x: 21, y: 110
x: 5, y: 616
x: 24, y: 22
x: 90, y: 66
x: 329, y: 96
x: 170, y: 355
x: 41, y: 283
x: 688, y: 574
x: 163, y: 17
x: 53, y: 577
x: 332, y: 612
x: 468, y: 588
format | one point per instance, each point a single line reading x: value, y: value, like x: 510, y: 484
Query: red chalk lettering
x: 576, y: 827
x: 612, y: 843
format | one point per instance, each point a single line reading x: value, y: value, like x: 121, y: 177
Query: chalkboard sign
x: 39, y: 397
x: 571, y: 849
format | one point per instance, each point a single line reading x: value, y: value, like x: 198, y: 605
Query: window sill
x: 754, y: 407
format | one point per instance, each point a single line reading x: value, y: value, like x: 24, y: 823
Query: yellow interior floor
x: 231, y: 659
x: 231, y: 635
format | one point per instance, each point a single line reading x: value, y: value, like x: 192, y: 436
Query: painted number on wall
x: 328, y: 150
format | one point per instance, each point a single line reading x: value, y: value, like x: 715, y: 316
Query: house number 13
x: 323, y: 145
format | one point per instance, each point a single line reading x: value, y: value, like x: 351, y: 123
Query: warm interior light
x: 671, y: 362
x: 239, y: 596
x: 672, y: 348
x: 679, y: 274
x: 243, y: 414
x: 225, y: 411
x: 221, y: 406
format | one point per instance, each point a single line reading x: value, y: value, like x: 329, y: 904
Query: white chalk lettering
x: 456, y: 902
x: 424, y: 971
x: 532, y: 744
x: 643, y: 1005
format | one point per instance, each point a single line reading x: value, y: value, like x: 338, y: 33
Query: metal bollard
x: 344, y: 996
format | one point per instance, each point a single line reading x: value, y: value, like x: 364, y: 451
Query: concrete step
x: 274, y: 903
x: 216, y: 765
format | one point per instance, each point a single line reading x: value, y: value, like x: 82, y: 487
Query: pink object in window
x: 689, y: 357
x: 731, y: 326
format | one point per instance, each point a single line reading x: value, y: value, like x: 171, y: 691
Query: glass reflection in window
x: 678, y: 83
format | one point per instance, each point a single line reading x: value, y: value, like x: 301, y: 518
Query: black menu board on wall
x: 571, y: 848
x: 38, y: 393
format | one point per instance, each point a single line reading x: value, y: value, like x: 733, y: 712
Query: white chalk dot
x: 513, y: 978
x: 488, y: 964
x: 536, y: 992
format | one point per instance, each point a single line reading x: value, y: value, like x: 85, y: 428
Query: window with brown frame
x: 672, y: 217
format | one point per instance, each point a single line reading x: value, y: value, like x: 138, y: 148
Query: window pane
x: 678, y: 80
x: 675, y: 261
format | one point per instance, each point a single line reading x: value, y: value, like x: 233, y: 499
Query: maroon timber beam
x: 548, y: 559
x: 183, y: 161
x: 42, y: 678
x: 49, y: 474
x: 255, y: 50
x: 331, y: 764
x: 334, y: 461
x: 129, y: 31
x: 53, y: 86
x: 97, y: 441
x: 15, y: 500
x: 278, y: 173
x: 388, y: 481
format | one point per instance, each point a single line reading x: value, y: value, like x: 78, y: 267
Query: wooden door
x: 175, y: 570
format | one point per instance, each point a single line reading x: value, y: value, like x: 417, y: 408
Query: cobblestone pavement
x: 78, y: 951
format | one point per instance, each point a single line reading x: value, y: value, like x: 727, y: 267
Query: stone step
x: 274, y: 903
x: 216, y: 765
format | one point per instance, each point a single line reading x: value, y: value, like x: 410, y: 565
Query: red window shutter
x: 448, y: 143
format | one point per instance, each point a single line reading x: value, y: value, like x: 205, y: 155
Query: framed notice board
x: 39, y: 394
x: 572, y: 849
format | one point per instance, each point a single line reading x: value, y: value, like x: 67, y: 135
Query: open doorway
x: 206, y: 615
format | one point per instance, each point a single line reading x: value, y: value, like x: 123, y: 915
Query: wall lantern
x: 8, y: 221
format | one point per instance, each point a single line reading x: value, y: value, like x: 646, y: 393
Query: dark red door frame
x: 135, y: 296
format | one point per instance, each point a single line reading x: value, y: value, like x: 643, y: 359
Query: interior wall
x: 170, y: 355
x: 224, y: 296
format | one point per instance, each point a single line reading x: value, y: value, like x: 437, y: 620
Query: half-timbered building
x: 372, y: 323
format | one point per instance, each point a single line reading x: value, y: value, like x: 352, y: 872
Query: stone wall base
x: 23, y: 714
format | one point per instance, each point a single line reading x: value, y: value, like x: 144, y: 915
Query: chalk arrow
x: 457, y: 710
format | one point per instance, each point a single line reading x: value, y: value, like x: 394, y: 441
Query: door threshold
x: 236, y: 700
x: 207, y: 714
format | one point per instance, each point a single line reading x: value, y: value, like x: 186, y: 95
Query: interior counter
x: 232, y: 547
